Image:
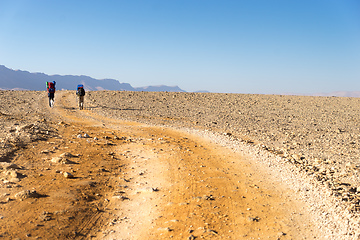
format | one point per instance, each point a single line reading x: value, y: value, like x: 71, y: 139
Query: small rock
x: 349, y: 165
x: 45, y: 216
x: 254, y: 219
x: 6, y: 165
x: 167, y: 229
x: 27, y: 194
x: 121, y: 198
x: 67, y: 154
x: 56, y: 159
x: 68, y: 175
x: 213, y: 231
x: 317, y: 160
x: 147, y: 190
x: 22, y: 128
x: 211, y: 197
x: 10, y: 173
x: 86, y: 135
x: 66, y: 161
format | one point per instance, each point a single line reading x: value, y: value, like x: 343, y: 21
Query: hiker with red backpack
x: 50, y: 87
x: 81, y: 93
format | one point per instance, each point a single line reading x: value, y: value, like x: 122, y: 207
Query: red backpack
x: 51, y: 88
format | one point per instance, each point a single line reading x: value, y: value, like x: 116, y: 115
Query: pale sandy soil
x: 157, y: 166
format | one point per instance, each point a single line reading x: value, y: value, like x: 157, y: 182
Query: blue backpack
x: 80, y: 90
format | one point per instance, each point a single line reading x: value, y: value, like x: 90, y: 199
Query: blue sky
x: 242, y: 46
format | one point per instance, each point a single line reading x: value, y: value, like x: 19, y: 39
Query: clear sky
x: 234, y: 46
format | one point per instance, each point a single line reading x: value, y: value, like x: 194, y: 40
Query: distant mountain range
x: 339, y: 94
x: 355, y: 94
x: 22, y: 80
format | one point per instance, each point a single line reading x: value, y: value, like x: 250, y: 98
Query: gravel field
x: 22, y: 107
x: 311, y: 143
x: 317, y: 136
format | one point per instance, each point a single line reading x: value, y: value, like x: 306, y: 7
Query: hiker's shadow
x: 70, y: 108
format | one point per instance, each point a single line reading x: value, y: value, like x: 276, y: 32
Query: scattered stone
x: 27, y: 194
x: 67, y: 154
x: 254, y: 219
x: 165, y: 229
x: 211, y: 197
x: 62, y: 160
x: 67, y: 161
x: 6, y: 166
x: 9, y: 174
x: 86, y: 135
x: 24, y: 127
x: 45, y: 216
x: 213, y: 231
x: 56, y: 159
x: 68, y: 175
x: 121, y: 198
x: 147, y: 190
x: 183, y: 204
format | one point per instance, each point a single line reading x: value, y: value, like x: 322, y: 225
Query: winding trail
x: 136, y: 181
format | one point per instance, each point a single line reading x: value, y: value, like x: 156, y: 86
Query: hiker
x: 80, y: 93
x: 50, y: 87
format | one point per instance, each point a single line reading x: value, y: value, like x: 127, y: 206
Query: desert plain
x: 166, y: 165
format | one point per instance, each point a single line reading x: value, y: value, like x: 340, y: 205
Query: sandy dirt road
x: 134, y: 181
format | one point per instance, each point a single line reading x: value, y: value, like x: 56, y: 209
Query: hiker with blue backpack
x: 80, y: 92
x: 50, y: 87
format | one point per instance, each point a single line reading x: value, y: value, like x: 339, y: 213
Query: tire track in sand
x: 181, y: 186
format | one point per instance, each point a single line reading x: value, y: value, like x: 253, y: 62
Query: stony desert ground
x: 160, y: 165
